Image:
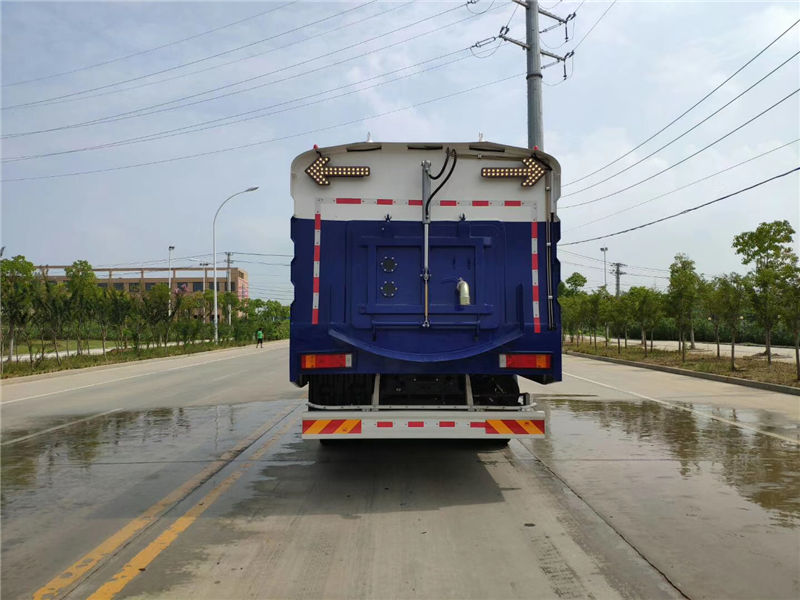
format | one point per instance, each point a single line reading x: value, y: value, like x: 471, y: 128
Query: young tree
x: 711, y: 301
x: 732, y: 303
x: 575, y: 284
x: 618, y: 316
x: 16, y: 280
x: 682, y: 296
x: 596, y: 310
x: 82, y: 286
x: 789, y: 294
x: 768, y: 248
x: 104, y: 312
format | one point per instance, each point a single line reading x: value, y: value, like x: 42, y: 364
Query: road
x: 187, y: 478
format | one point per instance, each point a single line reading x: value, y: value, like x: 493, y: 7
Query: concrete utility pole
x: 618, y: 272
x: 534, y: 54
x: 169, y: 280
x: 205, y: 274
x: 605, y: 269
x: 534, y: 76
x: 228, y: 256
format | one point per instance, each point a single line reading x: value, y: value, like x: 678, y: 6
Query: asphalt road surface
x: 187, y: 478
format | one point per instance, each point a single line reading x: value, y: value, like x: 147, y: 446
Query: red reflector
x: 513, y: 203
x: 348, y: 201
x: 448, y: 203
x: 326, y: 361
x: 478, y: 424
x: 416, y: 424
x: 527, y: 361
x: 384, y: 424
x: 415, y: 202
x: 385, y: 201
x: 447, y: 423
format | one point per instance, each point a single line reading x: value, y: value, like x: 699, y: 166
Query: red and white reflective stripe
x: 317, y: 237
x: 412, y: 202
x: 537, y: 323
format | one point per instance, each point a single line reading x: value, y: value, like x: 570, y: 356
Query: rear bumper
x: 416, y: 424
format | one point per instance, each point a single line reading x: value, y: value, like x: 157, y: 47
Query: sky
x: 152, y: 83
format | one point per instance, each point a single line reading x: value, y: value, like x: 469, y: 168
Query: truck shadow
x: 352, y: 478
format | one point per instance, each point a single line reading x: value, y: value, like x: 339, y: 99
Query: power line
x: 266, y: 141
x: 193, y: 62
x: 261, y: 254
x: 147, y: 51
x: 230, y: 62
x: 683, y: 187
x: 683, y: 160
x: 685, y: 211
x: 232, y: 119
x: 692, y: 128
x: 162, y: 107
x: 593, y: 26
x: 687, y: 111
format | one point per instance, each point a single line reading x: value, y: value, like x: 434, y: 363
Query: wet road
x: 187, y: 478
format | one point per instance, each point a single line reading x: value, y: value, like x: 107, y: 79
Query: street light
x: 605, y: 271
x: 169, y: 281
x: 214, y: 257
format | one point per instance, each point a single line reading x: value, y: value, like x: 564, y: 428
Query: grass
x: 754, y: 368
x: 50, y: 365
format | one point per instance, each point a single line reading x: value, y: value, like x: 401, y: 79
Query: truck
x: 425, y: 284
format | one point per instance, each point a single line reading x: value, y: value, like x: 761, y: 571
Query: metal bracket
x: 470, y: 399
x: 376, y: 392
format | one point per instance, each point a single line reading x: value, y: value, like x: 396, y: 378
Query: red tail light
x: 525, y: 361
x: 326, y: 361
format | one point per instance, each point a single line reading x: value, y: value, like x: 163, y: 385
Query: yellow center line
x: 143, y: 559
x: 80, y: 568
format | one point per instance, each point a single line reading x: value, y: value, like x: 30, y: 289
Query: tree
x: 618, y: 316
x: 16, y: 280
x: 682, y: 296
x: 789, y: 295
x: 52, y: 306
x: 712, y: 302
x: 104, y: 311
x: 732, y: 303
x: 645, y: 310
x: 82, y: 286
x: 768, y: 249
x: 596, y: 310
x: 574, y: 284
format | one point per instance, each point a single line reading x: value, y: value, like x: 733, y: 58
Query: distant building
x: 184, y: 279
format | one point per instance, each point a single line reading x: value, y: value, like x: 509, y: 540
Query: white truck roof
x: 394, y: 184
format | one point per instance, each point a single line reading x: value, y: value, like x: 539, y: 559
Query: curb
x: 761, y: 385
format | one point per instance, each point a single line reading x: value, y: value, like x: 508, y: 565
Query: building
x: 184, y: 279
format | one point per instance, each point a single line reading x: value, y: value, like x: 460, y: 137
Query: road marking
x: 82, y: 387
x: 686, y: 409
x: 57, y: 427
x: 87, y: 563
x: 142, y: 560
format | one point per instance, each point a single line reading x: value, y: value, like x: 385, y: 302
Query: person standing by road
x: 260, y: 338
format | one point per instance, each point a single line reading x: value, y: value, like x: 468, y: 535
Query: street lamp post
x: 214, y: 257
x: 605, y: 271
x: 169, y: 281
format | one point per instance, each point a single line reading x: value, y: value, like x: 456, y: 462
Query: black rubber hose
x: 441, y: 185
